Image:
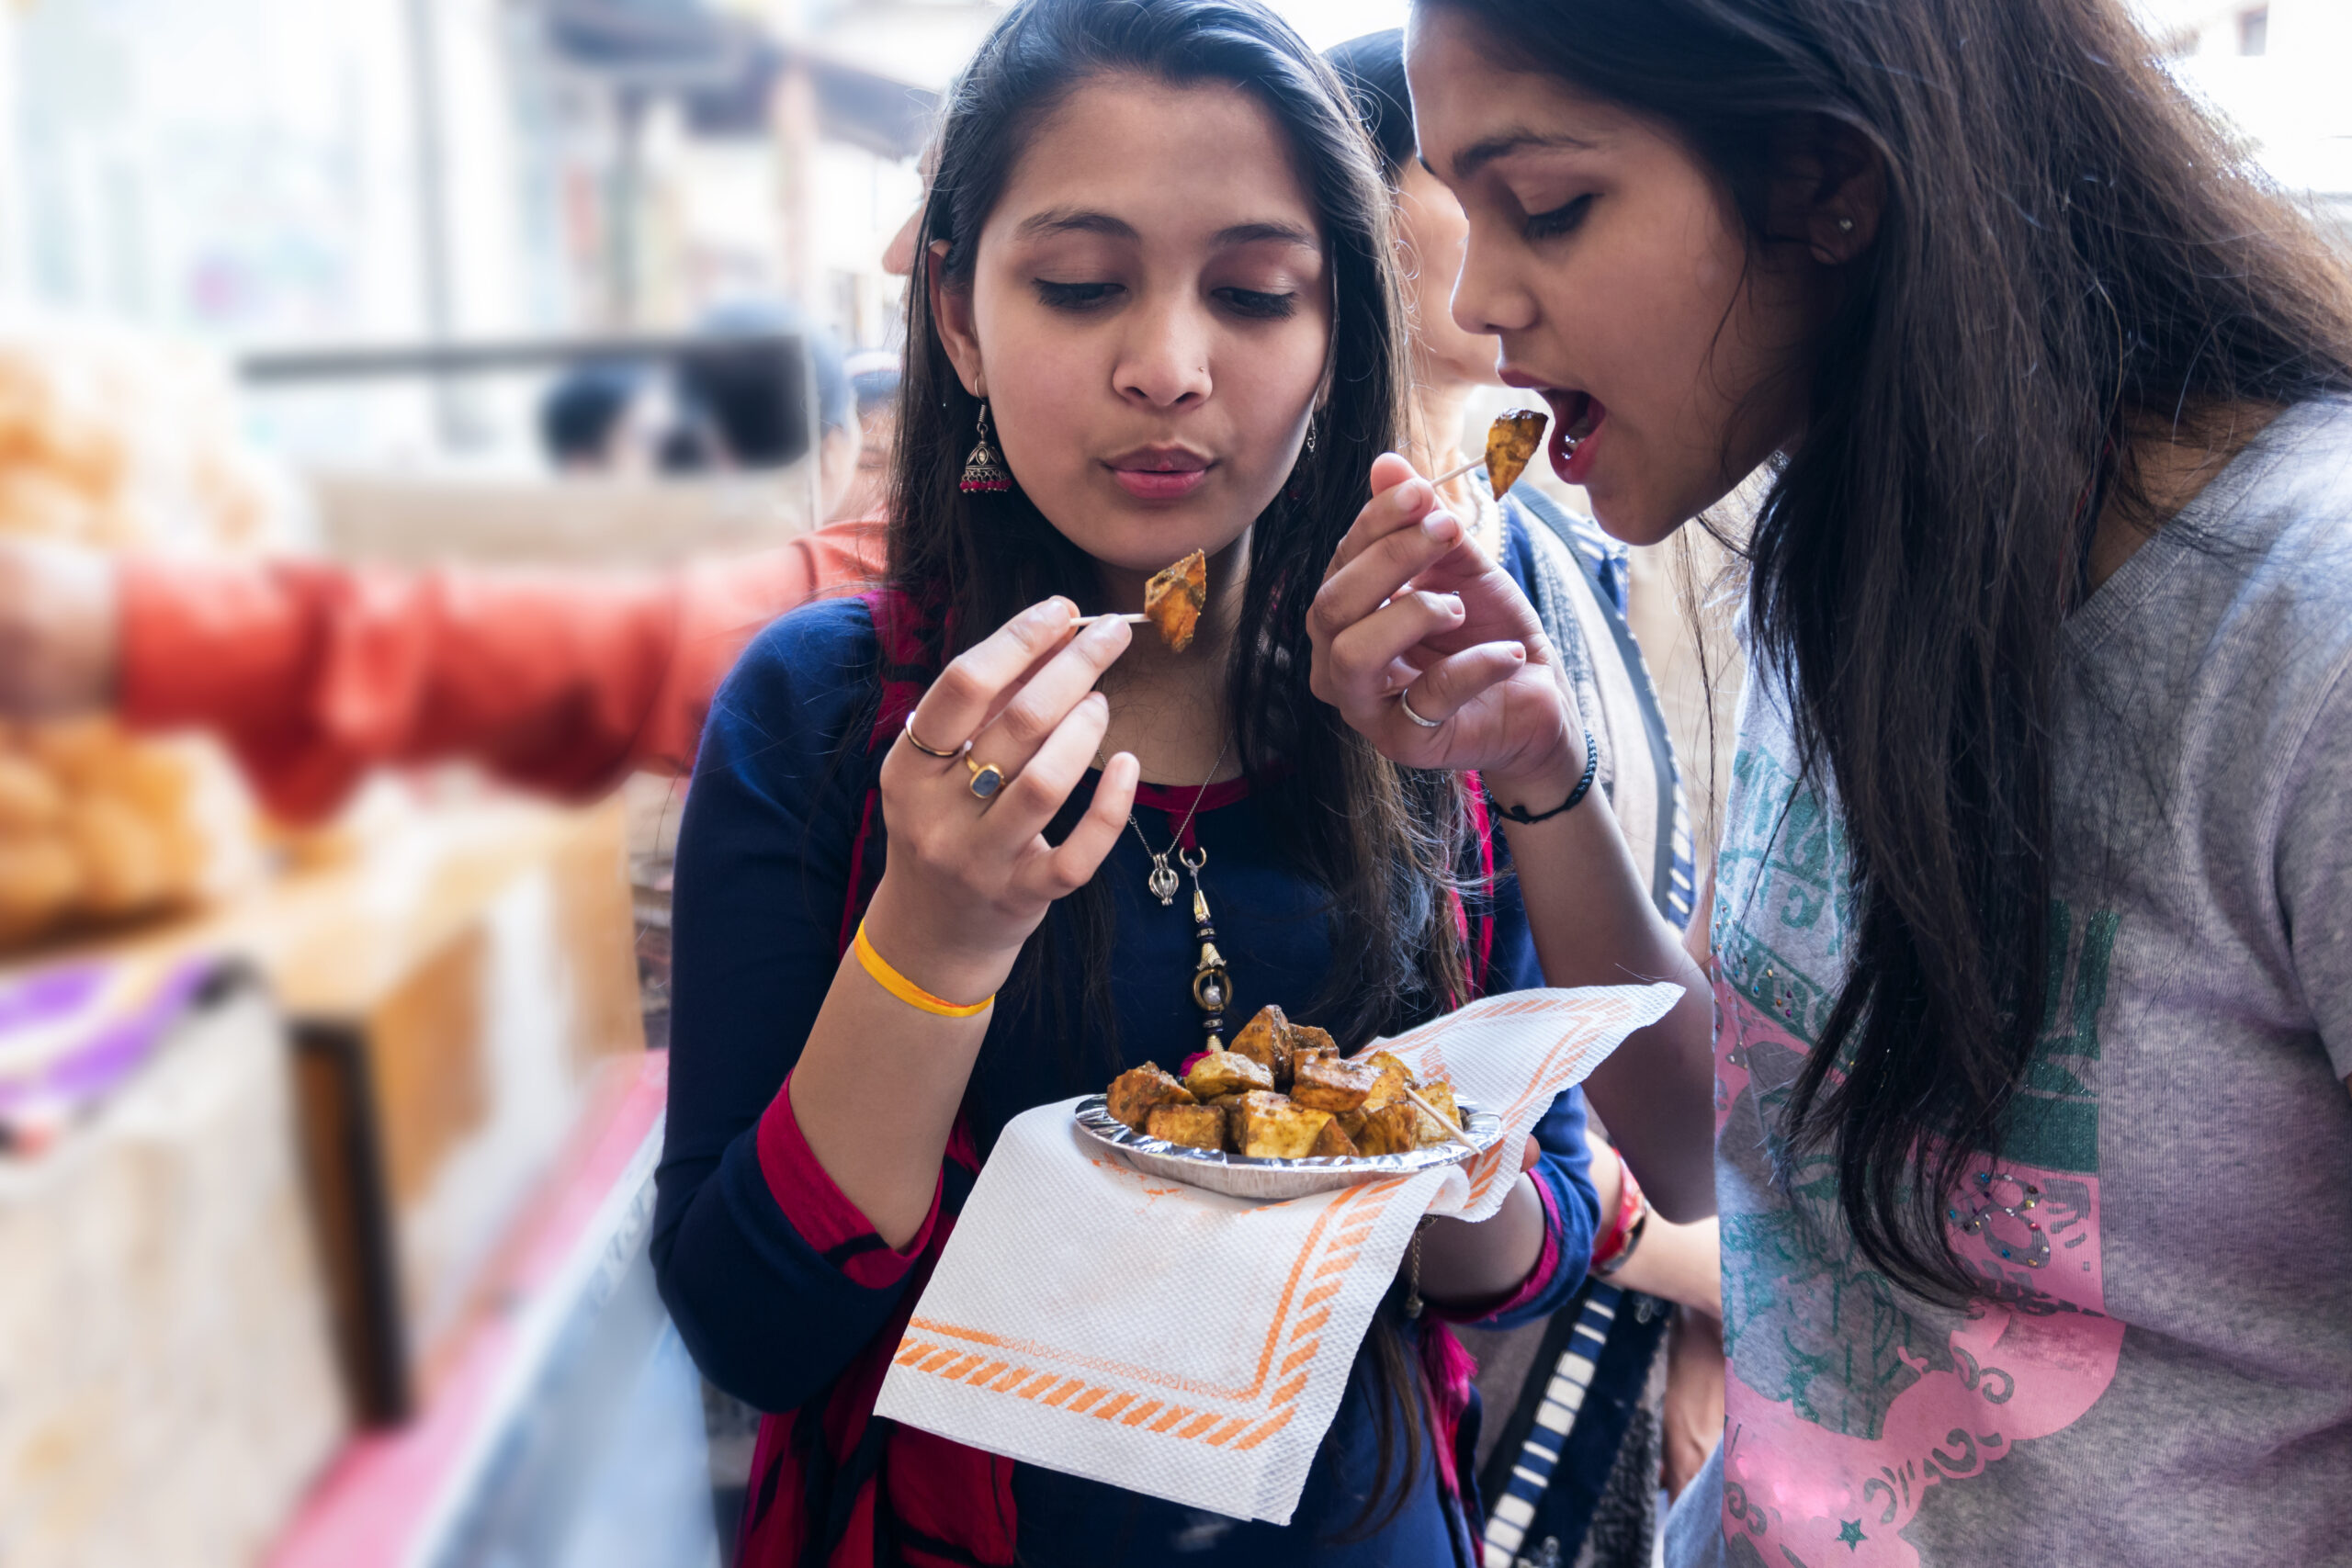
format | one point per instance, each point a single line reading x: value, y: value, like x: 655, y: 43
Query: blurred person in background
x: 314, y: 672
x: 1610, y: 1504
x: 603, y: 418
x: 873, y: 381
x: 735, y: 407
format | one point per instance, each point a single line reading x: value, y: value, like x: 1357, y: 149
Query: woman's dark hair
x: 1383, y: 842
x: 2071, y: 262
x: 1372, y: 68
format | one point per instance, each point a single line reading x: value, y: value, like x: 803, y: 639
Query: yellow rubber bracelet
x: 906, y: 991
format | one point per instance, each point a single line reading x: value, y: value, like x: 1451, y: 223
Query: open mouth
x: 1577, y: 417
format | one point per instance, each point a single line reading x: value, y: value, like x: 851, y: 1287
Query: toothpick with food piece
x: 1511, y: 440
x: 1173, y: 601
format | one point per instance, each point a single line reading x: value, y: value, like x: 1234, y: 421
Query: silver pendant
x: 1162, y: 881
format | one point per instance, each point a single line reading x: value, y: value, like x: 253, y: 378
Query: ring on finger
x: 987, y: 777
x: 1403, y: 700
x: 916, y: 741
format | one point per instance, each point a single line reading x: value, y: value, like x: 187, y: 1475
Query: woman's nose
x: 1487, y: 299
x: 1165, y: 358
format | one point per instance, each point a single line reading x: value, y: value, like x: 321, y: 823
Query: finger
x: 1036, y: 709
x: 1363, y: 656
x: 1454, y: 682
x: 1073, y: 863
x: 974, y: 683
x: 1023, y: 809
x: 1399, y: 496
x: 1377, y: 574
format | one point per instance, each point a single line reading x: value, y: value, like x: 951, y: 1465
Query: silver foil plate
x: 1274, y: 1180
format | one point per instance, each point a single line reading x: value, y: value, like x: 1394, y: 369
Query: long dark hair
x: 1381, y: 839
x: 1383, y: 842
x: 2071, y: 261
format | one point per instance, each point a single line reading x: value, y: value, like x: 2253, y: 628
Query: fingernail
x: 1441, y: 527
x: 1518, y: 653
x: 1456, y: 601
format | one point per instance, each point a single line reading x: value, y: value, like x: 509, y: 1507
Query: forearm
x: 879, y: 1083
x: 1678, y: 1263
x: 1594, y: 925
x: 1465, y: 1263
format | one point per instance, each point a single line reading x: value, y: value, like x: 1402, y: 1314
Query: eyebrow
x: 1067, y: 221
x: 1478, y: 155
x: 1257, y: 233
x: 1064, y: 220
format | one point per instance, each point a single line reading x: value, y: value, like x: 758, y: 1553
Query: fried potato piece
x: 1511, y: 440
x: 1396, y: 1077
x: 1391, y: 1130
x: 1307, y: 1040
x: 1426, y: 1127
x: 1195, y: 1126
x: 1224, y: 1072
x: 1134, y: 1092
x: 1332, y: 1143
x: 1174, y: 598
x: 1272, y: 1127
x: 29, y: 798
x: 1326, y: 1083
x: 1266, y: 1040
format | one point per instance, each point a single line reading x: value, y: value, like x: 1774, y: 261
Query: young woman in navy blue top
x: 912, y: 880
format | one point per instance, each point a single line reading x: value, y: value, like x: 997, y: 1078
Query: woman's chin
x: 1148, y: 542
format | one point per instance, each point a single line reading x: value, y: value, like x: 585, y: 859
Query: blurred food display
x: 111, y: 440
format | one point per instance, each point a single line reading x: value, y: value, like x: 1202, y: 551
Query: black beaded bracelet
x: 1520, y: 814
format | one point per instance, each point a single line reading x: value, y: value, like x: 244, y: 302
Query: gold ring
x: 916, y: 741
x: 987, y: 778
x: 1404, y: 700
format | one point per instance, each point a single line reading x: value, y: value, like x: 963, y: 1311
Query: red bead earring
x: 984, y: 472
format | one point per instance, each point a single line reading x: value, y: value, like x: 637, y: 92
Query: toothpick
x: 1452, y: 474
x: 1453, y: 1132
x: 1135, y: 620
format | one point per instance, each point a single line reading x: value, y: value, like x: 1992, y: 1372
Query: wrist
x: 1631, y: 1218
x: 1543, y: 781
x: 945, y: 962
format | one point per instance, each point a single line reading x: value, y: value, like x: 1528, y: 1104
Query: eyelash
x: 1558, y: 221
x: 1260, y: 306
x: 1249, y: 302
x: 1073, y: 296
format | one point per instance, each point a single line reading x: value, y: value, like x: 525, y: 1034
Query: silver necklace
x: 1162, y: 880
x: 1212, y: 986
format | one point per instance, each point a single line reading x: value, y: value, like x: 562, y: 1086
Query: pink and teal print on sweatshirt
x: 1849, y: 1401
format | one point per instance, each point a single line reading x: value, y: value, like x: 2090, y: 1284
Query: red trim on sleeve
x: 1538, y: 1280
x: 822, y: 1212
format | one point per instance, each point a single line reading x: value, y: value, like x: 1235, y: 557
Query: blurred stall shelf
x: 567, y: 1433
x: 168, y: 1385
x: 425, y: 520
x: 403, y: 517
x: 453, y: 987
x: 452, y: 978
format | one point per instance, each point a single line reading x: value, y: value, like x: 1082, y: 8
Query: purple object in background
x: 70, y: 1036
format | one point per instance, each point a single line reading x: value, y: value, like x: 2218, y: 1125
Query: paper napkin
x: 1178, y: 1342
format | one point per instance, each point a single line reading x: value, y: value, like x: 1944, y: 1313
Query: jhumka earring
x: 984, y: 472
